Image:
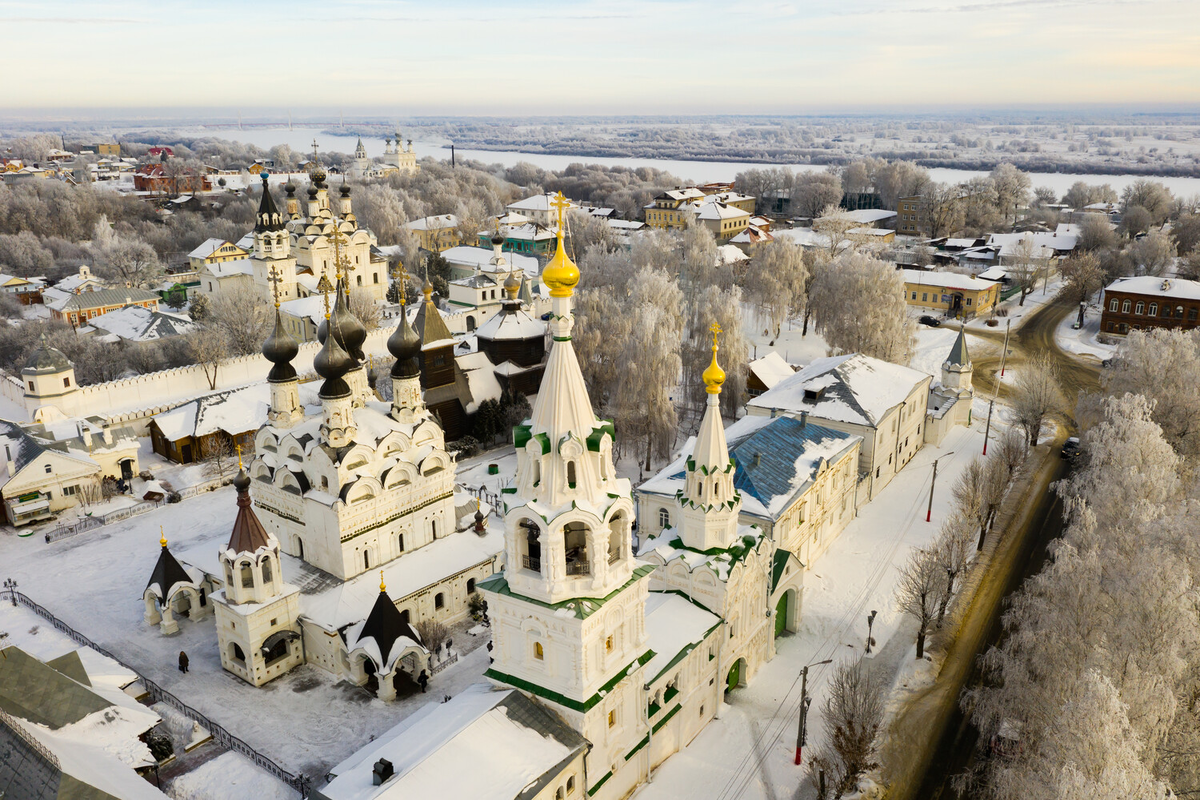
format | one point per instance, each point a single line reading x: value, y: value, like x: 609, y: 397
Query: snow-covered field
x: 228, y: 775
x: 748, y: 753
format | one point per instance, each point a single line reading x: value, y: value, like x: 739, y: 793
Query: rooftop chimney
x: 381, y: 771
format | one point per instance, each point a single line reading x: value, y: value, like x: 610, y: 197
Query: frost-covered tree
x: 379, y: 208
x: 1026, y: 265
x: 1153, y: 254
x: 775, y: 280
x: 1036, y: 394
x: 241, y: 318
x: 835, y: 223
x: 364, y: 306
x: 650, y: 363
x: 858, y: 306
x: 1150, y: 195
x: 1163, y: 365
x: 852, y: 716
x: 714, y: 305
x: 919, y: 590
x: 601, y: 329
x: 130, y: 262
x: 1012, y: 190
x: 812, y: 192
x: 1083, y: 274
x: 953, y: 550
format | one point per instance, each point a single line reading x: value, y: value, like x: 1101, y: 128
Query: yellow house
x: 956, y: 295
x: 215, y: 251
x: 667, y: 210
x: 436, y: 233
x: 724, y: 221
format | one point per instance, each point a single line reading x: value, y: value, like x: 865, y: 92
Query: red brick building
x: 1146, y: 302
x: 154, y: 178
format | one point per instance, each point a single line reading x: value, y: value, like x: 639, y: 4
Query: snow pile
x: 229, y: 775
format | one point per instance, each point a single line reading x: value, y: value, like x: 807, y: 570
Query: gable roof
x: 384, y: 625
x: 34, y: 691
x: 210, y: 246
x: 167, y: 574
x: 101, y: 298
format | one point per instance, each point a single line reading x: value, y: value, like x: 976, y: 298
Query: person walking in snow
x: 423, y: 679
x: 183, y: 662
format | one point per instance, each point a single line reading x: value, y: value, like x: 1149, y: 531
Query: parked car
x: 1071, y: 448
x: 932, y: 322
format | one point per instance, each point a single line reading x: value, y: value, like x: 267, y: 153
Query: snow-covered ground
x: 1011, y: 308
x: 748, y: 753
x: 228, y: 775
x: 306, y: 720
x: 1083, y: 342
x: 795, y: 349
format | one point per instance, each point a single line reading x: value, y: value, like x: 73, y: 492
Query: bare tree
x: 364, y: 306
x: 1026, y: 266
x: 952, y: 549
x: 433, y: 634
x: 131, y: 262
x: 218, y: 456
x: 1036, y: 394
x: 775, y: 279
x: 208, y: 349
x: 813, y: 192
x: 969, y: 499
x: 1083, y: 275
x: 1012, y: 190
x: 835, y: 223
x: 918, y: 592
x: 853, y: 715
x: 942, y: 204
x: 241, y: 317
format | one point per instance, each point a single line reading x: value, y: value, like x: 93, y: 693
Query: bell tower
x: 272, y: 261
x: 568, y: 613
x: 956, y: 369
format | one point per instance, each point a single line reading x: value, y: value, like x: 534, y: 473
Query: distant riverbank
x: 696, y: 170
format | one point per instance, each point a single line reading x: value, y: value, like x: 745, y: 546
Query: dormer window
x: 813, y: 394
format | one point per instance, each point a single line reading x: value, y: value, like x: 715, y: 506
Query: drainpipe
x: 649, y: 737
x: 720, y: 678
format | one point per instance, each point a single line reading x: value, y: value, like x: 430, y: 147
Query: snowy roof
x: 238, y: 266
x: 481, y: 258
x: 672, y: 625
x: 207, y: 248
x: 480, y: 376
x: 102, y: 298
x: 776, y: 459
x: 311, y: 307
x: 140, y: 324
x: 73, y: 282
x: 485, y: 744
x: 719, y: 211
x: 870, y: 231
x: 771, y: 369
x: 946, y: 280
x: 1052, y: 240
x: 993, y: 274
x: 381, y: 630
x: 869, y: 216
x: 439, y: 222
x: 168, y: 574
x: 849, y: 388
x: 529, y: 231
x: 234, y: 411
x: 729, y: 254
x: 511, y: 324
x: 538, y: 202
x: 1157, y: 287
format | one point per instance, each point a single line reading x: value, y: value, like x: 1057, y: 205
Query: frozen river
x: 300, y: 139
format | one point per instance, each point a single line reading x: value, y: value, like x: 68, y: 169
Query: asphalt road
x: 931, y: 741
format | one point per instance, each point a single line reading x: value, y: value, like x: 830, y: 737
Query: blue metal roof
x: 778, y: 446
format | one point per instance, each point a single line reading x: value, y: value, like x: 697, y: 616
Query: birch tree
x: 858, y: 306
x: 775, y: 280
x: 241, y: 319
x: 952, y: 550
x: 918, y: 591
x: 1164, y: 366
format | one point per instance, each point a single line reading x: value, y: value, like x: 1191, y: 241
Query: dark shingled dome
x: 47, y: 359
x: 405, y: 346
x: 280, y: 348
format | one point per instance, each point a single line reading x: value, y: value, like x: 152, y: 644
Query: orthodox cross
x: 273, y: 276
x: 560, y: 204
x: 716, y: 331
x: 403, y: 285
x: 341, y: 263
x: 238, y: 446
x: 316, y: 158
x: 324, y: 287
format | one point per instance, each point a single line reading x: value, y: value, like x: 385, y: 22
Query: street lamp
x: 11, y: 586
x: 870, y: 624
x: 805, y: 702
x: 929, y: 510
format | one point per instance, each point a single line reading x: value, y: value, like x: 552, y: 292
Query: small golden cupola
x: 560, y: 274
x: 714, y: 376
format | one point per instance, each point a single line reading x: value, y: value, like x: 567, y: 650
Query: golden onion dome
x: 561, y: 274
x: 714, y: 376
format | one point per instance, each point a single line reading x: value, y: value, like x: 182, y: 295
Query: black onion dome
x: 290, y: 188
x: 404, y: 345
x: 322, y: 331
x: 350, y: 332
x: 332, y: 363
x: 241, y: 481
x: 497, y: 238
x: 345, y: 190
x: 312, y: 191
x: 280, y: 348
x: 268, y: 217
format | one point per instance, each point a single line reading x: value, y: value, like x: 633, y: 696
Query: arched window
x: 470, y: 586
x: 1139, y: 308
x: 1125, y: 307
x: 570, y: 784
x: 266, y: 571
x: 533, y: 547
x: 571, y: 474
x: 439, y: 600
x: 664, y: 518
x: 1154, y: 309
x: 1178, y: 312
x: 228, y: 576
x: 300, y: 547
x: 374, y: 277
x: 359, y: 279
x: 433, y: 527
x: 575, y: 543
x: 367, y: 559
x: 247, y: 576
x: 236, y: 653
x: 538, y: 653
x: 400, y: 543
x: 404, y: 616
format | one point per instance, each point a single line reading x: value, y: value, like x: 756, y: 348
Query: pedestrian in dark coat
x: 423, y: 679
x: 183, y: 662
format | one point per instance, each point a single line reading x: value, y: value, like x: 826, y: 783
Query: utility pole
x: 805, y: 702
x: 870, y: 624
x: 1004, y: 350
x: 929, y: 510
x: 987, y: 431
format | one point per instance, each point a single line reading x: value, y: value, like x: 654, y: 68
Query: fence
x: 160, y: 695
x: 29, y: 741
x: 99, y: 520
x: 441, y: 665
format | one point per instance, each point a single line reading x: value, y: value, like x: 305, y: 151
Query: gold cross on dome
x: 316, y: 159
x: 560, y: 204
x: 238, y: 446
x: 716, y: 331
x: 273, y: 276
x: 403, y: 285
x: 341, y: 263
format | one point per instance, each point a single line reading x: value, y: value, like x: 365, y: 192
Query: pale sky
x: 620, y: 56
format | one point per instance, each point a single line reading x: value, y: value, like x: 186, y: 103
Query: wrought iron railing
x: 532, y: 562
x: 160, y: 695
x: 579, y: 568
